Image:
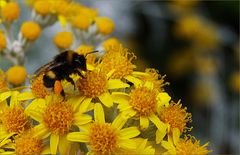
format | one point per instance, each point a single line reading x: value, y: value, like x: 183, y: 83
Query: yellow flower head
x: 21, y: 73
x: 38, y: 88
x: 10, y: 11
x: 63, y: 40
x: 104, y: 25
x: 84, y: 50
x: 175, y: 116
x: 82, y: 21
x: 184, y: 146
x: 143, y: 101
x: 58, y: 117
x: 27, y: 144
x: 93, y: 85
x: 42, y: 7
x: 114, y: 137
x: 111, y: 43
x: 191, y: 145
x: 119, y: 59
x: 15, y: 120
x: 3, y: 42
x: 30, y: 30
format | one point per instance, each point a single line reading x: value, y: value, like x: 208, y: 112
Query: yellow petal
x: 41, y: 131
x: 26, y: 96
x: 148, y: 85
x: 120, y: 97
x: 163, y: 99
x: 75, y: 101
x: 5, y: 95
x: 99, y: 113
x: 119, y: 122
x: 54, y: 140
x: 127, y: 144
x: 160, y: 134
x: 90, y: 67
x: 116, y: 84
x: 109, y: 74
x: 81, y: 119
x: 130, y: 132
x: 46, y: 150
x: 106, y: 99
x: 136, y: 73
x: 84, y: 105
x: 78, y: 137
x: 35, y: 115
x: 124, y: 106
x: 142, y: 144
x: 176, y: 135
x: 159, y: 124
x: 144, y: 123
x: 64, y: 145
x: 167, y: 145
x: 134, y: 80
x: 14, y: 99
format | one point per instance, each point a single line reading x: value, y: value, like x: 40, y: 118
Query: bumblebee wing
x: 47, y: 67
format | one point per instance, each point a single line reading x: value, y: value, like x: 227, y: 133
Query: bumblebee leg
x: 63, y: 94
x: 79, y: 73
x: 71, y: 81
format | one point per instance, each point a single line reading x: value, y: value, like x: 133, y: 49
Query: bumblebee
x: 60, y: 68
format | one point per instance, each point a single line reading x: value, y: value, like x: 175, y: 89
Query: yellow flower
x: 189, y: 145
x: 104, y: 25
x: 63, y: 40
x: 10, y: 11
x: 142, y: 104
x: 13, y: 118
x: 21, y: 73
x: 28, y: 144
x: 111, y: 43
x: 84, y: 50
x: 118, y: 59
x: 30, y: 30
x: 82, y: 21
x: 56, y: 117
x: 3, y: 82
x: 42, y: 7
x: 3, y: 42
x: 97, y: 84
x: 106, y: 138
x: 175, y: 116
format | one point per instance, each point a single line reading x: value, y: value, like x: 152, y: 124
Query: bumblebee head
x: 79, y: 61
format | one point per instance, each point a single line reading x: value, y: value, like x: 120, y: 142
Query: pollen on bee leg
x: 58, y: 87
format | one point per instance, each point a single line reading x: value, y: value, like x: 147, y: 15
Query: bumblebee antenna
x: 92, y: 52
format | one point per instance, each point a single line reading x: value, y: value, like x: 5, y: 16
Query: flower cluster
x: 111, y: 109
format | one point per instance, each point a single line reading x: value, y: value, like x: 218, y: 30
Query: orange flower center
x: 103, y: 138
x: 38, y: 88
x: 93, y: 85
x: 191, y: 146
x: 144, y: 101
x: 176, y: 116
x: 58, y: 117
x: 14, y: 120
x: 119, y: 59
x: 28, y: 145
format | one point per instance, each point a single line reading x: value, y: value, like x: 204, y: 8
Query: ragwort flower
x: 142, y: 104
x: 184, y: 146
x: 106, y: 138
x: 97, y: 85
x: 56, y: 117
